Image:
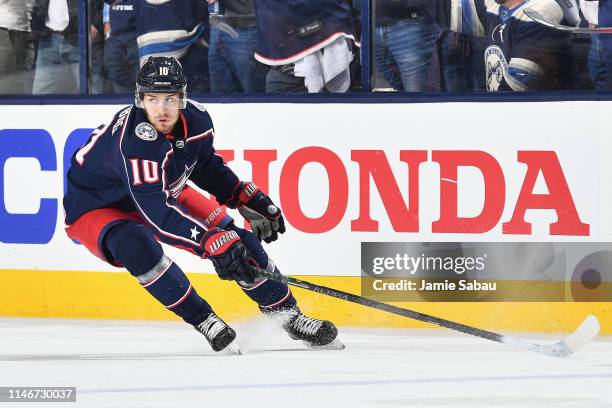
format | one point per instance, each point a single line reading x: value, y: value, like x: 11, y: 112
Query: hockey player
x: 520, y: 54
x: 127, y: 191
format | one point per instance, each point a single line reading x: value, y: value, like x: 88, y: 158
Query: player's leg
x: 120, y: 239
x: 273, y: 298
x: 276, y: 301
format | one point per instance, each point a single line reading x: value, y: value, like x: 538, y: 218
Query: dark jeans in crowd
x: 280, y: 79
x: 598, y: 69
x: 195, y: 66
x: 121, y: 64
x: 17, y: 55
x: 462, y: 62
x: 57, y: 66
x: 97, y: 75
x: 403, y: 52
x: 231, y: 63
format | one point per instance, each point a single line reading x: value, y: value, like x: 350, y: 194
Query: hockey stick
x: 575, y: 341
x: 538, y: 18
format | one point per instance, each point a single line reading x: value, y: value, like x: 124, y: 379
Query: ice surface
x: 157, y: 364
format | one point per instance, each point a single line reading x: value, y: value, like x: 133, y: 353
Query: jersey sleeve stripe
x: 464, y: 18
x: 514, y: 83
x: 476, y: 26
x: 293, y: 58
x: 528, y: 66
x: 456, y: 14
x: 83, y: 151
x: 209, y: 132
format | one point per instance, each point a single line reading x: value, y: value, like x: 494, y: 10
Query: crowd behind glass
x: 260, y: 46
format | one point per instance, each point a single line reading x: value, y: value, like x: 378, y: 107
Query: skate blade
x: 231, y: 349
x: 334, y: 345
x: 234, y: 348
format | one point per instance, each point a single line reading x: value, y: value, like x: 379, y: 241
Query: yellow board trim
x: 106, y: 295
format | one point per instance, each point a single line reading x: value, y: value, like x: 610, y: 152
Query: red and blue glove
x: 229, y: 256
x: 257, y: 208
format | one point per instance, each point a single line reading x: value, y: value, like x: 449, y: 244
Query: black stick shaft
x: 473, y: 331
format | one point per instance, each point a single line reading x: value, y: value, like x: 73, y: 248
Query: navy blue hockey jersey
x: 170, y: 27
x: 521, y: 54
x: 122, y: 20
x: 127, y: 165
x: 289, y: 30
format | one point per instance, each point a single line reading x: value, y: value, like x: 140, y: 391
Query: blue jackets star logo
x: 194, y: 233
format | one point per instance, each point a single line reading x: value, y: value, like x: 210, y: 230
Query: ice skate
x: 218, y: 333
x: 314, y: 333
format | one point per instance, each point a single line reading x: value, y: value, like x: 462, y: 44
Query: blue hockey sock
x: 134, y: 246
x: 268, y: 294
x: 169, y: 285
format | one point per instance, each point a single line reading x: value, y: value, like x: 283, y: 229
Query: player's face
x: 162, y: 110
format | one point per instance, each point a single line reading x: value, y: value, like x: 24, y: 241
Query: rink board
x: 70, y: 294
x: 339, y: 171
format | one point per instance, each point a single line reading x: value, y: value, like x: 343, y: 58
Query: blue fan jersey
x: 170, y: 27
x: 289, y: 30
x: 122, y: 19
x: 521, y: 54
x: 127, y: 165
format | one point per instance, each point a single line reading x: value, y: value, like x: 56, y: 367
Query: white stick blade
x: 588, y: 330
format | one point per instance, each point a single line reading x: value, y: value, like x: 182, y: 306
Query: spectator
x: 55, y: 26
x: 16, y: 49
x: 98, y: 79
x: 404, y: 41
x: 120, y: 47
x: 520, y: 54
x: 605, y: 20
x: 307, y: 43
x: 597, y: 66
x: 462, y: 69
x: 176, y: 28
x: 233, y: 38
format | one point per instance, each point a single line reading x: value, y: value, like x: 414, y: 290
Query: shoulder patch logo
x: 146, y: 132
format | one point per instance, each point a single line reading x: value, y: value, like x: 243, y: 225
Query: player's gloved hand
x: 229, y: 255
x: 266, y: 219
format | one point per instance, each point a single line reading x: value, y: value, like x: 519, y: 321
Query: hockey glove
x: 229, y: 255
x: 266, y: 219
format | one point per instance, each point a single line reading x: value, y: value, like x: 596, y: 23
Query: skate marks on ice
x: 150, y: 364
x: 67, y: 337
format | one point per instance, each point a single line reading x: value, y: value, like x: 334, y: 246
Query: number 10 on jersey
x: 149, y: 173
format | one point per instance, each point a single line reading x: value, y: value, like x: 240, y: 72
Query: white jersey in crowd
x: 15, y: 14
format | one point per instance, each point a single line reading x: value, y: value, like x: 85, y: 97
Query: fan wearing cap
x: 127, y: 192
